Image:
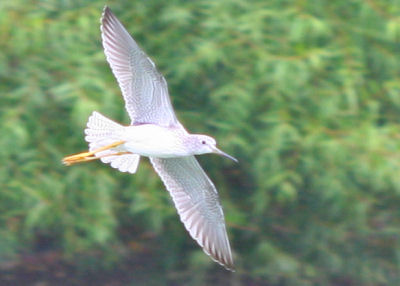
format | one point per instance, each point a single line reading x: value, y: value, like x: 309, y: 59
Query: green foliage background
x: 306, y: 94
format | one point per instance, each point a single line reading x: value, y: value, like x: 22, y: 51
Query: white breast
x: 155, y: 141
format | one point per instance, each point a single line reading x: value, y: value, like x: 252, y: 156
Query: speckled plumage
x: 156, y: 133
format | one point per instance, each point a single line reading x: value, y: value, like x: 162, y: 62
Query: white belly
x: 154, y: 141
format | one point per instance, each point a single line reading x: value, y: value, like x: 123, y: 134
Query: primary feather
x: 146, y: 98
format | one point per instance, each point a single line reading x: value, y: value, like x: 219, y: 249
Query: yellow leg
x: 89, y: 156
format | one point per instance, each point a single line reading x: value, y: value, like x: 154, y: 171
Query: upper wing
x: 144, y: 89
x: 196, y: 200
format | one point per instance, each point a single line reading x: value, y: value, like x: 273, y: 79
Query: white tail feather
x: 102, y: 131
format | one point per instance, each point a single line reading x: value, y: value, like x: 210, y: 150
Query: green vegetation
x: 306, y: 94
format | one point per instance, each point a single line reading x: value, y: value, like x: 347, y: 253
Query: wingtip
x: 230, y: 268
x: 228, y: 265
x: 106, y: 9
x: 225, y: 259
x: 106, y: 12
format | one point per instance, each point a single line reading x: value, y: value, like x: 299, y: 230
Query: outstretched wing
x: 196, y: 200
x: 144, y: 89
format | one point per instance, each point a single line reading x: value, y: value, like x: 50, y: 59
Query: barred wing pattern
x: 144, y: 89
x: 146, y: 98
x: 196, y: 200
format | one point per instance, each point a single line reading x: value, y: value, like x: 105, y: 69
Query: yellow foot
x: 89, y: 156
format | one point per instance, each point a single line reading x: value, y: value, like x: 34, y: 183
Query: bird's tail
x: 101, y: 131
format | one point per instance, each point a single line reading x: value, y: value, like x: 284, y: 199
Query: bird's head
x: 204, y: 144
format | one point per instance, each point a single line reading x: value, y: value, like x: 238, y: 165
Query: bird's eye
x: 203, y: 142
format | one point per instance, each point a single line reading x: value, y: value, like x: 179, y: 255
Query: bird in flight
x: 155, y: 132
